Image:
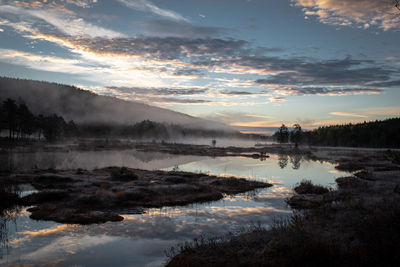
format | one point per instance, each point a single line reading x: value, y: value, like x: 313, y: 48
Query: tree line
x: 20, y: 123
x: 283, y: 135
x: 385, y: 134
x: 148, y: 129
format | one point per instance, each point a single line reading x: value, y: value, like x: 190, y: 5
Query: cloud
x: 183, y: 58
x: 47, y: 63
x: 159, y: 91
x: 362, y: 13
x: 348, y: 114
x: 383, y: 111
x: 66, y: 23
x: 79, y: 3
x: 236, y: 93
x: 393, y: 83
x: 334, y: 72
x: 181, y: 29
x: 332, y: 91
x: 329, y: 77
x: 68, y: 245
x: 160, y: 48
x: 220, y: 64
x: 256, y: 124
x: 277, y: 99
x: 147, y: 6
x: 175, y: 100
x: 153, y: 95
x: 242, y: 119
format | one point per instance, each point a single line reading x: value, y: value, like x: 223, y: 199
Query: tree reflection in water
x: 9, y: 211
x: 295, y: 160
x: 283, y: 161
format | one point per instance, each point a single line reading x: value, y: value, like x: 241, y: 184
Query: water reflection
x: 90, y: 160
x: 295, y: 161
x: 9, y: 211
x: 283, y: 161
x: 140, y: 240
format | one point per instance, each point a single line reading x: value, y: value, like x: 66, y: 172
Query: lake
x: 141, y: 240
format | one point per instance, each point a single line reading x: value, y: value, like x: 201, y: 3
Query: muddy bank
x: 357, y: 224
x: 100, y: 195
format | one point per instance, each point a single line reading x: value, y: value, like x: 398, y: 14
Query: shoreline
x: 358, y: 224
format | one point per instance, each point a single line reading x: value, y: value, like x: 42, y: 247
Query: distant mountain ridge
x: 86, y: 107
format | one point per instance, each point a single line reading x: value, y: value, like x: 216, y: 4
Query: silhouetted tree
x: 40, y: 125
x: 25, y: 121
x: 282, y: 135
x: 54, y: 127
x: 10, y: 109
x: 296, y: 134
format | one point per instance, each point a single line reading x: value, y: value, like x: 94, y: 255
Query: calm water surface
x: 141, y: 240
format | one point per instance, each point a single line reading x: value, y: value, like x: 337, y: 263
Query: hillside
x: 85, y: 107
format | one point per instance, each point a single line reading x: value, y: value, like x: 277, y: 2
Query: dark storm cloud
x: 182, y: 29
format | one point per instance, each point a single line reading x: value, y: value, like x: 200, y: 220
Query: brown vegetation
x: 98, y: 196
x: 356, y: 225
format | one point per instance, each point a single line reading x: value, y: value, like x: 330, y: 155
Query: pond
x: 141, y: 240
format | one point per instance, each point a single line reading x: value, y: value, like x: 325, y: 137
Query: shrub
x: 307, y: 187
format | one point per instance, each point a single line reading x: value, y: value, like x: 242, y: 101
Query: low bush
x: 307, y: 187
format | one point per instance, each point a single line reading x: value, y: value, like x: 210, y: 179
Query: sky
x: 251, y: 64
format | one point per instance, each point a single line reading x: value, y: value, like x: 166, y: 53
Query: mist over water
x: 141, y: 240
x: 90, y: 160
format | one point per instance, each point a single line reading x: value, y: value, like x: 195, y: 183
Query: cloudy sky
x: 248, y: 63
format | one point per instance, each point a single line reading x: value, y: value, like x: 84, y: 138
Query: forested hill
x: 85, y: 107
x: 384, y: 133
